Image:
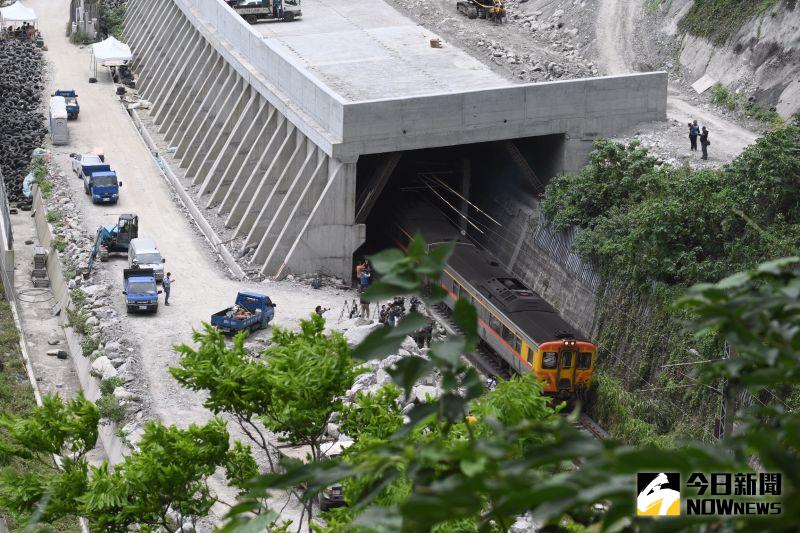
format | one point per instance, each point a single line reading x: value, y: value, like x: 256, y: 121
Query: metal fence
x: 558, y: 245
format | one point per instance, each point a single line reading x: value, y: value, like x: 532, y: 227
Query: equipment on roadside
x: 39, y: 273
x: 71, y: 99
x: 114, y: 239
x: 140, y: 290
x: 493, y: 10
x: 257, y: 10
x: 252, y: 311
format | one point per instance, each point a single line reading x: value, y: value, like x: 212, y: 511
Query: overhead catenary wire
x: 481, y: 211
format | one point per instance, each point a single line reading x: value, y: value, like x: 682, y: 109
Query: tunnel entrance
x: 478, y: 188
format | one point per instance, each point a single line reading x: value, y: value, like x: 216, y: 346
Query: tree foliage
x: 160, y: 485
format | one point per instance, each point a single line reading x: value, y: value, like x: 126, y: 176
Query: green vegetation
x: 112, y: 20
x: 53, y: 216
x: 719, y: 20
x: 42, y: 176
x: 59, y: 244
x: 79, y: 37
x: 158, y: 487
x: 722, y: 96
x: 108, y: 404
x: 652, y: 231
x: 16, y: 399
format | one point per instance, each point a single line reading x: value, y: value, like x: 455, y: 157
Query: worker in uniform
x: 276, y: 7
x: 167, y: 283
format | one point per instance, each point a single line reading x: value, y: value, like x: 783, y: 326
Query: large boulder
x: 355, y: 335
x: 421, y: 393
x: 103, y: 368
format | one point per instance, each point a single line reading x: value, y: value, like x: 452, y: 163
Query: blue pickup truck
x: 71, y: 98
x: 101, y: 182
x: 252, y: 311
x: 140, y: 289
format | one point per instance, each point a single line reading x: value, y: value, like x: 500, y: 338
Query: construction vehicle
x: 493, y: 10
x: 252, y: 311
x: 140, y: 290
x: 257, y: 10
x: 114, y: 239
x: 71, y: 99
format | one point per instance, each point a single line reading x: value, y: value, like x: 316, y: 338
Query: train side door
x: 566, y: 370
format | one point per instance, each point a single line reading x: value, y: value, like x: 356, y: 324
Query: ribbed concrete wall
x: 273, y: 149
x: 277, y: 188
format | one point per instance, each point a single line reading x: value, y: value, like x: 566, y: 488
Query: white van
x: 145, y: 254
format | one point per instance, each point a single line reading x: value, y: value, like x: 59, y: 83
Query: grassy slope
x: 16, y: 398
x: 719, y: 20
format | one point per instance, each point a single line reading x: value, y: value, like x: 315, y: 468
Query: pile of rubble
x: 21, y: 122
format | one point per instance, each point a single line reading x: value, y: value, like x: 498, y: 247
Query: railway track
x: 491, y: 366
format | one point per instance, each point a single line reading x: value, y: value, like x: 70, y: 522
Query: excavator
x: 114, y: 239
x: 493, y: 10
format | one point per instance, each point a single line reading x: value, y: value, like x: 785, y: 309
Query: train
x: 515, y: 322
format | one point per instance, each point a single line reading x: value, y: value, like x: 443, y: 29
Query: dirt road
x: 614, y: 29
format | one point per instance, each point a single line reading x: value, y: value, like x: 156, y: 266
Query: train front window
x: 549, y: 360
x: 584, y: 361
x: 566, y: 359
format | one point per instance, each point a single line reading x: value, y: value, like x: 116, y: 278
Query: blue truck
x: 101, y: 183
x: 140, y: 290
x: 252, y: 311
x: 71, y: 98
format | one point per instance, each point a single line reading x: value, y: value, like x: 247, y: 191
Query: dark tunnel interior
x: 464, y: 185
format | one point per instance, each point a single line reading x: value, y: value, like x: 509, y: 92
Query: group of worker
x: 25, y: 32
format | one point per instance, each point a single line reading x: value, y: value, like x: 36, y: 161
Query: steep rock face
x: 762, y: 59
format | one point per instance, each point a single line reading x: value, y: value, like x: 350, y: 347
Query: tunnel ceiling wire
x: 454, y: 208
x: 481, y: 211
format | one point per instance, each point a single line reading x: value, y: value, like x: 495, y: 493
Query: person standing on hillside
x: 704, y: 142
x: 694, y: 131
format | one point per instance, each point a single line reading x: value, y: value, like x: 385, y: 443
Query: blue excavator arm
x: 103, y: 234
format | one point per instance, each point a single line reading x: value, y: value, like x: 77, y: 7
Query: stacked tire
x: 22, y: 124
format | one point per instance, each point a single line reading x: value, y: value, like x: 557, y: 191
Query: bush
x: 89, y: 345
x: 53, y: 216
x: 107, y: 386
x: 79, y: 37
x: 719, y: 20
x: 732, y: 101
x: 110, y: 409
x: 112, y: 20
x: 59, y: 244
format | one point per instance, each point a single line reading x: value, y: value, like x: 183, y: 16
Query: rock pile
x: 376, y: 373
x: 21, y: 122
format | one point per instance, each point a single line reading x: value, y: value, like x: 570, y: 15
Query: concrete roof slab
x: 365, y: 50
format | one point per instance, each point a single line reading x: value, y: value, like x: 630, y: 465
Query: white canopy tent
x: 17, y: 13
x: 110, y: 52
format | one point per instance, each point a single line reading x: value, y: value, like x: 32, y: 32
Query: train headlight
x: 549, y: 360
